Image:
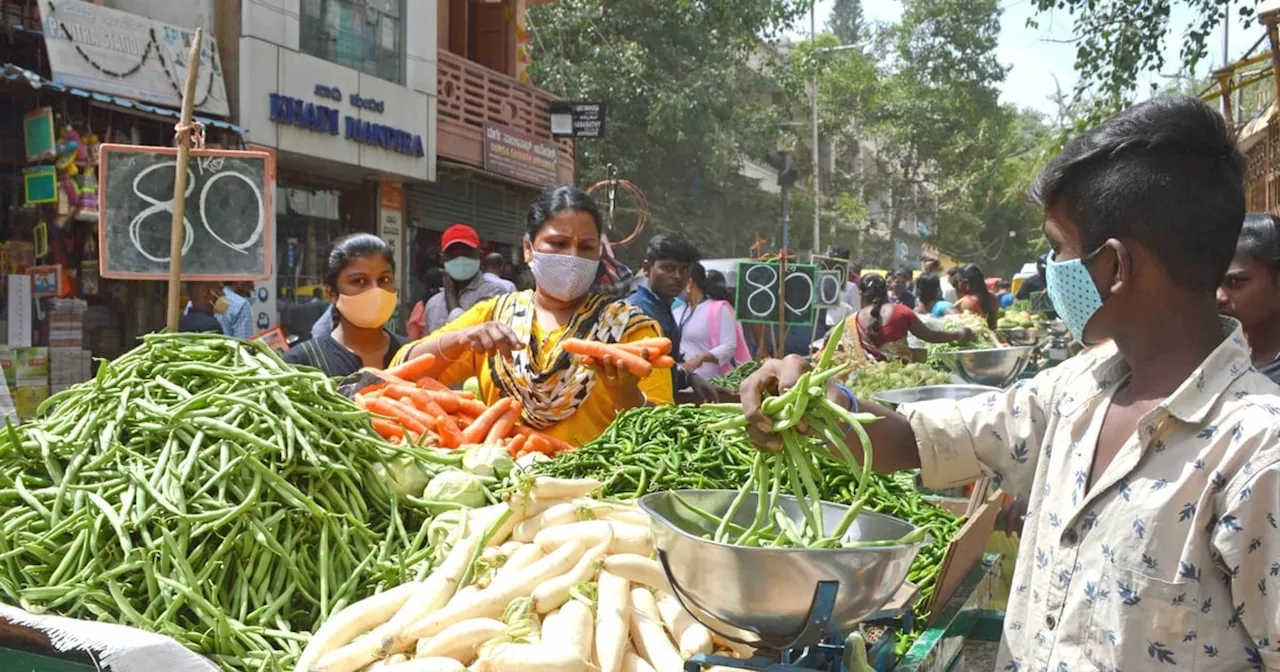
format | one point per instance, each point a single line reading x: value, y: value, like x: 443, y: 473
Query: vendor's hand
x: 615, y: 376
x: 703, y: 390
x: 450, y: 292
x: 1013, y: 516
x: 774, y: 376
x: 484, y: 339
x: 966, y: 334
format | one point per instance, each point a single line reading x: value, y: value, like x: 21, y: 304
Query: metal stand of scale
x: 827, y: 655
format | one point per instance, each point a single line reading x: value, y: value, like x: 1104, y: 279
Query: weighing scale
x: 795, y: 606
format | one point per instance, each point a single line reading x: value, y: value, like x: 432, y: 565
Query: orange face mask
x: 369, y: 309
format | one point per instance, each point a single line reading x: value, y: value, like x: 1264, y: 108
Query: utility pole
x: 1226, y: 53
x: 813, y: 106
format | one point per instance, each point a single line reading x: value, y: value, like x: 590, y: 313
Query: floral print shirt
x: 1172, y: 559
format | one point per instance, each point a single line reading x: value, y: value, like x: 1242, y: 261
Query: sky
x: 1038, y: 61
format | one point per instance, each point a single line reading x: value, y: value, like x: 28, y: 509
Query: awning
x: 34, y: 80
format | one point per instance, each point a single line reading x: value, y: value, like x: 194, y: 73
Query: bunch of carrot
x: 426, y: 411
x: 640, y: 357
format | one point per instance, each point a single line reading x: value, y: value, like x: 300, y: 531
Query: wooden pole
x: 180, y: 184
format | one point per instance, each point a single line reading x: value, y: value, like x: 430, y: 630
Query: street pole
x: 813, y: 106
x: 1226, y: 51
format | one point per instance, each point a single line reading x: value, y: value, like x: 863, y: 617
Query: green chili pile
x: 733, y: 379
x: 200, y: 488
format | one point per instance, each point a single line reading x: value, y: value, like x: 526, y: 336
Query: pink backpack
x: 741, y: 352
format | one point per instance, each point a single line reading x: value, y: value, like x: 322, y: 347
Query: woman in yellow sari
x: 512, y: 343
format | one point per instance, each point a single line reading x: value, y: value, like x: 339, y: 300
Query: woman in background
x: 360, y: 285
x: 975, y: 297
x: 929, y: 299
x: 883, y: 326
x: 1250, y: 291
x: 512, y: 343
x: 711, y: 340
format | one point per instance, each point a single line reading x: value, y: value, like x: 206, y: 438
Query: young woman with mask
x: 883, y: 326
x: 975, y: 297
x: 360, y: 284
x: 711, y: 340
x: 1250, y: 292
x: 511, y: 343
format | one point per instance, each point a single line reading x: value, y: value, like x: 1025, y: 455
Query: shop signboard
x: 577, y: 120
x: 106, y: 50
x: 759, y: 292
x: 520, y: 156
x: 229, y: 222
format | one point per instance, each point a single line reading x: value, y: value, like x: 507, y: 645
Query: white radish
x: 560, y: 514
x: 648, y: 634
x: 691, y: 636
x: 613, y: 620
x: 625, y: 538
x: 553, y: 593
x: 638, y: 569
x: 461, y: 640
x: 525, y: 556
x: 427, y: 665
x: 492, y: 601
x: 343, y: 627
x: 632, y: 662
x: 375, y: 666
x: 562, y: 488
x: 508, y: 549
x: 396, y: 659
x: 575, y: 629
x: 631, y: 517
x: 535, y: 658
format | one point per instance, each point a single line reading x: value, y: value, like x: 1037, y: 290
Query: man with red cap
x: 464, y: 284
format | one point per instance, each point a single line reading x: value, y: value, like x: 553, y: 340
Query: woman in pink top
x: 711, y: 340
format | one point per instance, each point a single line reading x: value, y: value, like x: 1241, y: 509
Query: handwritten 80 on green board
x: 759, y: 292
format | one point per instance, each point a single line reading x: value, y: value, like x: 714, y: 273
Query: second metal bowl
x: 997, y: 367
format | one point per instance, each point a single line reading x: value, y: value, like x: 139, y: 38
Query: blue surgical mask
x: 462, y: 268
x: 1071, y: 288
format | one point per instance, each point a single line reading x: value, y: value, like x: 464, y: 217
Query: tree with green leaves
x: 846, y: 21
x: 684, y: 107
x: 1117, y: 40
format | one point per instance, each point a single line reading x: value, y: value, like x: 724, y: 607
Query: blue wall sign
x: 324, y: 119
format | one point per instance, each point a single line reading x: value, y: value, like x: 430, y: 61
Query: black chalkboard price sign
x: 759, y: 292
x: 229, y: 227
x: 832, y: 273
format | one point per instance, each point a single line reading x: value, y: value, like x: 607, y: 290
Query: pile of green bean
x: 733, y: 379
x: 201, y: 488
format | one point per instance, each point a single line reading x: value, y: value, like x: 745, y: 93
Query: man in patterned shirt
x: 1151, y: 463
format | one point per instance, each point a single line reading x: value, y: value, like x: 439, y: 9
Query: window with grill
x: 364, y: 35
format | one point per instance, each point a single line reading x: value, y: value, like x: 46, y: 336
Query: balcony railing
x: 471, y: 94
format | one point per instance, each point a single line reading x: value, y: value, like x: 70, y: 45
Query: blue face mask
x: 1071, y: 288
x: 462, y: 268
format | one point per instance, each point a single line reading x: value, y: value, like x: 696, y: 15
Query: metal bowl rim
x: 644, y: 506
x: 1011, y: 348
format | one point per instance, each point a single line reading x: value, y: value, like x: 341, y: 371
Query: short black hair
x: 1164, y: 174
x: 671, y: 247
x: 349, y: 248
x: 1004, y: 284
x: 840, y: 253
x: 928, y: 288
x: 553, y: 201
x: 1260, y: 240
